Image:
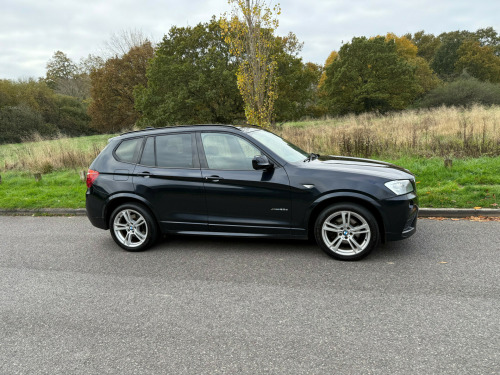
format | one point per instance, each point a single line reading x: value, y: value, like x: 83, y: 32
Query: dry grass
x: 448, y: 132
x: 44, y: 156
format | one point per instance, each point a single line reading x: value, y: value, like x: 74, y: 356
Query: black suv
x: 245, y: 181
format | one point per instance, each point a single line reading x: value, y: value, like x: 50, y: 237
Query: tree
x: 489, y: 37
x: 329, y: 60
x: 67, y: 78
x: 60, y: 66
x: 296, y: 82
x: 446, y: 55
x: 369, y: 75
x: 425, y: 77
x: 249, y: 33
x: 191, y: 79
x: 480, y: 62
x: 112, y: 86
x: 427, y: 44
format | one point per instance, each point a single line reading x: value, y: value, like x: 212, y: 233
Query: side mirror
x: 261, y: 162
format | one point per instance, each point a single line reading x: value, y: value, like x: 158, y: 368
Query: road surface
x: 72, y: 302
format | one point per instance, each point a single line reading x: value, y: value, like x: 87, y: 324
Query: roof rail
x: 179, y: 126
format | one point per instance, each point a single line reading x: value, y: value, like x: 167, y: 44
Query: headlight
x: 400, y: 187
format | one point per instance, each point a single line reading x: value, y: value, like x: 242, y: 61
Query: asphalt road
x: 72, y: 302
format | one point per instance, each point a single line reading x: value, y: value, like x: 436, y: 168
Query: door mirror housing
x: 261, y: 162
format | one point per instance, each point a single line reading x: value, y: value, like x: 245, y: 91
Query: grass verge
x: 62, y: 189
x: 469, y: 183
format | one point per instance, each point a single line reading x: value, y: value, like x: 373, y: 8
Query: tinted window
x: 128, y: 150
x: 148, y: 155
x: 174, y: 151
x: 227, y: 151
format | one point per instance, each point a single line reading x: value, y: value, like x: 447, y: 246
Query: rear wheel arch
x: 114, y: 202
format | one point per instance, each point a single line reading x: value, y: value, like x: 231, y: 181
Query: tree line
x: 195, y: 75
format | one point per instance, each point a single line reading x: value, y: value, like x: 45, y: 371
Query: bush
x: 463, y: 92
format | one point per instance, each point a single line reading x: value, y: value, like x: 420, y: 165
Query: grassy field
x: 417, y: 140
x: 469, y: 183
x: 45, y: 156
x: 443, y: 132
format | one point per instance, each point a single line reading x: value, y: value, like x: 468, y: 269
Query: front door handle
x: 213, y: 178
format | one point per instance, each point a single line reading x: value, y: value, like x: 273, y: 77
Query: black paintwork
x: 280, y: 201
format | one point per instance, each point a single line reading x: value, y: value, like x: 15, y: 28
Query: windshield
x: 279, y: 146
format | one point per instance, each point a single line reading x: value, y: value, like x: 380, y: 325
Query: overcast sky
x: 32, y: 30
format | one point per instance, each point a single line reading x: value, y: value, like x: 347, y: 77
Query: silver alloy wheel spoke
x: 346, y: 218
x: 336, y: 243
x: 140, y: 236
x: 333, y: 228
x: 360, y: 229
x: 126, y: 214
x: 354, y: 245
x: 121, y: 226
x: 139, y: 222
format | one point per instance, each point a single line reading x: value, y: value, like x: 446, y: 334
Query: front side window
x: 282, y: 148
x: 174, y: 151
x: 228, y: 152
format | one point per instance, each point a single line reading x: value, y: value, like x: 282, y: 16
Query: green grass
x: 62, y: 189
x: 469, y: 183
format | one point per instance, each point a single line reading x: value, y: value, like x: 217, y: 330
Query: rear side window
x: 128, y: 150
x: 174, y: 151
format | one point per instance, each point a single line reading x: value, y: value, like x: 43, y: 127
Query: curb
x: 45, y: 212
x: 457, y: 212
x: 423, y: 212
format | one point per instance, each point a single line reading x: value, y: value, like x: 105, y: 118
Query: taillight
x: 91, y: 176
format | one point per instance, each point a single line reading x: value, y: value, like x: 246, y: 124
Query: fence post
x: 83, y: 175
x: 38, y: 176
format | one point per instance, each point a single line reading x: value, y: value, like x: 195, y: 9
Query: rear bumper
x: 95, y: 210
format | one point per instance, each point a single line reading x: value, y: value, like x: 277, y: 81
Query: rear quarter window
x: 128, y: 150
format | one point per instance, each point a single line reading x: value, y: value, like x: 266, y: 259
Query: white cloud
x: 31, y: 31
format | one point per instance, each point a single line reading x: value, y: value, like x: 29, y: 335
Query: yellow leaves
x: 477, y: 208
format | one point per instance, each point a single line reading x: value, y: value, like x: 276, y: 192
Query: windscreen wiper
x: 312, y: 156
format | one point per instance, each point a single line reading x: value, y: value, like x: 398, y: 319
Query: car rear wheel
x: 133, y: 227
x: 346, y: 231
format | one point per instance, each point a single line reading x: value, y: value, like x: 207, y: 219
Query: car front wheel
x: 346, y: 231
x: 133, y: 227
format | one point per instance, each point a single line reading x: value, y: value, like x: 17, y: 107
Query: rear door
x: 168, y: 175
x: 239, y: 198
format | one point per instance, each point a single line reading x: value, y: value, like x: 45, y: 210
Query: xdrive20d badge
x: 247, y: 182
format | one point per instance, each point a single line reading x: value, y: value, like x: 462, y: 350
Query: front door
x: 239, y: 198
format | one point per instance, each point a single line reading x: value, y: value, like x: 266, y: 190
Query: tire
x: 132, y: 227
x: 346, y: 231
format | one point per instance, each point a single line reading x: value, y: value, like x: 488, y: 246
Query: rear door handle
x: 213, y: 178
x: 145, y: 174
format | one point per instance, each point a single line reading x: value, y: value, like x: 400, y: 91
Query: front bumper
x: 400, y: 216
